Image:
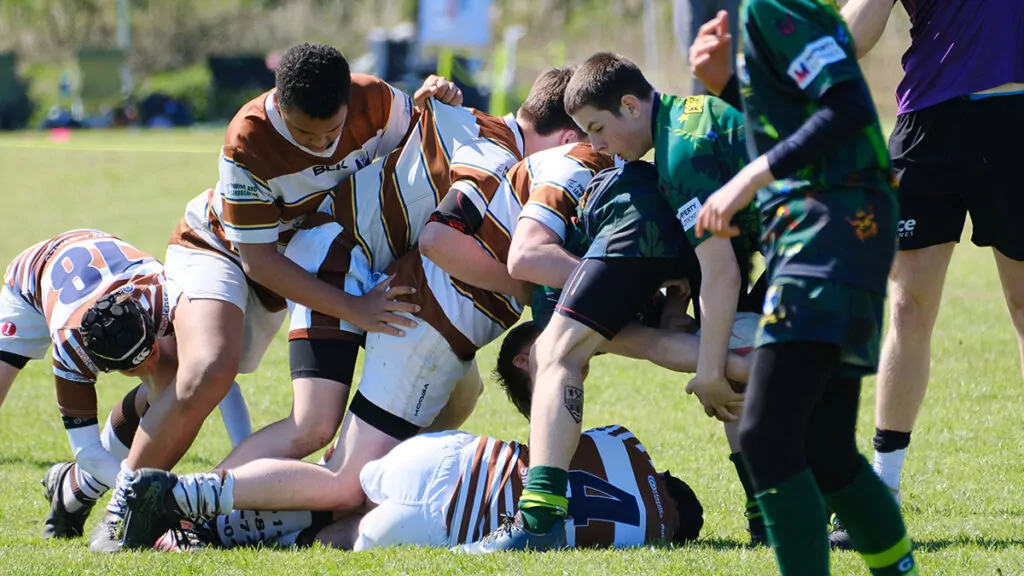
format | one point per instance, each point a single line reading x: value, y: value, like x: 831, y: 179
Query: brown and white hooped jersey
x: 384, y: 207
x: 62, y: 278
x: 488, y: 193
x: 268, y: 182
x: 616, y: 499
x: 557, y: 179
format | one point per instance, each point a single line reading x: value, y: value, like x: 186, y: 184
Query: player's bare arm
x: 373, y: 312
x: 537, y: 255
x: 866, y: 20
x: 721, y: 281
x: 461, y: 256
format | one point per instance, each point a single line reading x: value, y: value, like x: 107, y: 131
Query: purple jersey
x: 959, y: 47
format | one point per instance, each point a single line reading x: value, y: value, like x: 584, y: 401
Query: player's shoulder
x: 485, y: 154
x: 568, y: 160
x: 250, y: 133
x: 784, y: 15
x: 365, y: 91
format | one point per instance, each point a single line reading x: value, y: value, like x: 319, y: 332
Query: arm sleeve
x: 249, y: 211
x: 808, y: 42
x: 846, y: 109
x: 393, y: 116
x: 731, y: 93
x: 477, y: 171
x: 555, y: 193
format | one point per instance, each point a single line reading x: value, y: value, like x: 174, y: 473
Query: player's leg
x: 322, y: 353
x: 929, y: 151
x: 461, y: 403
x: 24, y: 336
x: 860, y: 499
x: 209, y: 324
x: 585, y: 318
x: 1011, y: 276
x: 787, y: 380
x: 10, y: 367
x: 234, y: 412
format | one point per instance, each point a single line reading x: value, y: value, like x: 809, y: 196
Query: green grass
x: 963, y: 480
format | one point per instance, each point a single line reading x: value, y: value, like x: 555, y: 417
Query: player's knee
x: 312, y: 436
x: 204, y: 381
x: 911, y: 314
x: 346, y: 492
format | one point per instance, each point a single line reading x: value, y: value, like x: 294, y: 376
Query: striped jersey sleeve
x: 557, y: 179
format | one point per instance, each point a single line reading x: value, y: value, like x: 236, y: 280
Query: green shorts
x: 817, y: 310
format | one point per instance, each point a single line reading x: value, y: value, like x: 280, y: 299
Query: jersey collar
x: 270, y: 103
x: 654, y: 115
x: 510, y: 120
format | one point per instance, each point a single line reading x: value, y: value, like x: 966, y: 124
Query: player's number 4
x: 596, y: 499
x: 74, y: 276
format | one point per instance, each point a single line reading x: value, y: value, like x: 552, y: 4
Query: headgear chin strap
x: 117, y: 333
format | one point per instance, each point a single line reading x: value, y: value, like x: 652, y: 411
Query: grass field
x: 964, y: 479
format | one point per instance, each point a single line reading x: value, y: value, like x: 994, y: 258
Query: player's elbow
x: 432, y: 239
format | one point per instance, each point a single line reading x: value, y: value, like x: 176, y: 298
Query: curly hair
x: 314, y: 79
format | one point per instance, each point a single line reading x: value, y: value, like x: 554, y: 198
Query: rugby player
x: 444, y: 489
x: 375, y: 217
x: 283, y: 151
x: 104, y: 306
x: 698, y: 146
x: 824, y: 188
x: 466, y: 302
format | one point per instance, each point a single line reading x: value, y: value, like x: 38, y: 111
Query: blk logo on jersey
x: 8, y: 329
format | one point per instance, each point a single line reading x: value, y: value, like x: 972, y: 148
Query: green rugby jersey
x: 791, y: 53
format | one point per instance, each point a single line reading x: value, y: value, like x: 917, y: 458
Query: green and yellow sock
x: 793, y: 510
x: 755, y: 520
x: 872, y: 518
x: 543, y: 502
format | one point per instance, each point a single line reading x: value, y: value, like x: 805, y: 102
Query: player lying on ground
x: 378, y: 215
x: 104, y: 306
x: 698, y: 146
x: 823, y: 184
x: 282, y: 152
x: 428, y: 491
x: 462, y: 310
x: 546, y: 248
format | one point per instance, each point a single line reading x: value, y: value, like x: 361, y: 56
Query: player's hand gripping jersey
x: 48, y: 288
x: 460, y: 486
x: 268, y: 182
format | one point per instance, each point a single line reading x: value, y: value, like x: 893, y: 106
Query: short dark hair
x: 514, y: 380
x: 602, y: 81
x: 544, y: 107
x: 688, y: 509
x: 314, y: 79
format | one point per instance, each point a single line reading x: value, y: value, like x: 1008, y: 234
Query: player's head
x: 513, y: 369
x: 543, y: 117
x: 688, y: 508
x: 313, y: 84
x: 118, y: 334
x: 609, y: 98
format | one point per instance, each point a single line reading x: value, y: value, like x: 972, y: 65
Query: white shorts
x: 411, y: 376
x: 203, y: 275
x: 23, y: 329
x: 411, y: 486
x: 321, y: 252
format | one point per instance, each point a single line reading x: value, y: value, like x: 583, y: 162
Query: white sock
x: 235, y: 414
x: 117, y: 501
x: 202, y: 496
x: 112, y: 443
x: 889, y: 467
x: 248, y: 527
x: 80, y: 489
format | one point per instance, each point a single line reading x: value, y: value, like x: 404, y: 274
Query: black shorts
x: 606, y: 294
x: 960, y: 157
x: 329, y: 359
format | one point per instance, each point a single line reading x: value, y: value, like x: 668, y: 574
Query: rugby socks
x: 117, y: 503
x: 793, y: 512
x: 205, y: 495
x: 755, y: 520
x: 249, y: 527
x: 543, y: 502
x: 122, y: 422
x: 235, y: 414
x: 872, y: 519
x: 890, y: 451
x: 80, y: 489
